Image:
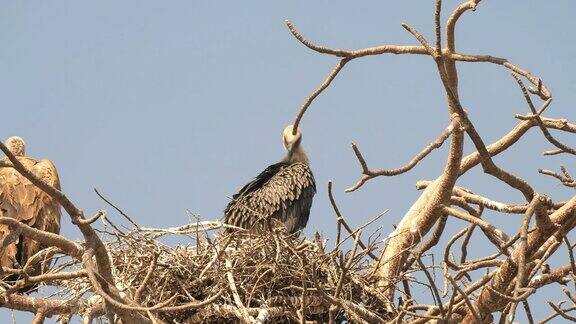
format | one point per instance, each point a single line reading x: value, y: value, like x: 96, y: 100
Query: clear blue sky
x: 172, y: 106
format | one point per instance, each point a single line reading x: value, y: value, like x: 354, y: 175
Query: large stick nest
x: 269, y: 276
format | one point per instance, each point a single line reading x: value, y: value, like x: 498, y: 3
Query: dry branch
x: 436, y: 201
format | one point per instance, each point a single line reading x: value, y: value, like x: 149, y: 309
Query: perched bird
x: 283, y: 191
x: 21, y: 200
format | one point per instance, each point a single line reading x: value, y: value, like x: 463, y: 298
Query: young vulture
x: 21, y: 200
x: 283, y: 191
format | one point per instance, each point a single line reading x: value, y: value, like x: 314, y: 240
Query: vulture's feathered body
x: 283, y: 191
x: 21, y: 200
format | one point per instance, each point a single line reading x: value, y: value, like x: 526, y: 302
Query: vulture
x: 21, y: 200
x: 283, y: 191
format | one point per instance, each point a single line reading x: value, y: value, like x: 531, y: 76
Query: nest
x: 269, y: 276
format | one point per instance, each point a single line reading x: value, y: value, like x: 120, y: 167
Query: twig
x: 477, y: 221
x: 565, y: 178
x: 341, y: 221
x: 117, y: 209
x: 536, y: 115
x: 466, y: 299
x: 368, y: 174
x: 232, y: 284
x: 97, y: 216
x: 528, y: 311
x: 50, y: 239
x: 434, y: 288
x: 562, y: 312
x: 144, y: 282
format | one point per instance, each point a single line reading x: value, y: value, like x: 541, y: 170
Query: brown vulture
x: 283, y: 191
x: 21, y: 200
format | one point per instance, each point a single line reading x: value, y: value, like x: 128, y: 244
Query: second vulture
x: 283, y: 191
x: 23, y: 201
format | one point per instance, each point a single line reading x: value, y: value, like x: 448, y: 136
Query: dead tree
x: 513, y: 278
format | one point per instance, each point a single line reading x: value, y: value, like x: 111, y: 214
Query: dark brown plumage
x: 283, y: 191
x: 21, y: 200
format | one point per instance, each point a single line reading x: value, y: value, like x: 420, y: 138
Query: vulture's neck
x: 296, y: 154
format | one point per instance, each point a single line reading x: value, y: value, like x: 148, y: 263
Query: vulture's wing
x: 16, y: 201
x: 260, y: 179
x: 21, y: 200
x: 47, y: 214
x: 282, y: 191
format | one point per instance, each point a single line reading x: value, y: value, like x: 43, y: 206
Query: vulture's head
x: 16, y: 145
x: 290, y: 140
x: 295, y: 153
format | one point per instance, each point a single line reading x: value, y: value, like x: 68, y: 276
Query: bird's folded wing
x: 262, y: 199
